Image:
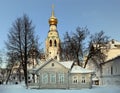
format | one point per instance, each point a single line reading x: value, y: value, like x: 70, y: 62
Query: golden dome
x: 53, y: 20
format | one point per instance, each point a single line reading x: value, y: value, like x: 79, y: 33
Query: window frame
x: 61, y: 78
x: 83, y: 80
x: 44, y: 78
x: 53, y: 78
x: 74, y: 79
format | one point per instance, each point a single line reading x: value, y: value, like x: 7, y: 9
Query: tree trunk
x: 9, y: 73
x: 86, y: 62
x: 26, y: 78
x: 25, y: 57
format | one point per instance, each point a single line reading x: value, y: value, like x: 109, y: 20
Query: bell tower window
x: 55, y: 43
x: 50, y: 43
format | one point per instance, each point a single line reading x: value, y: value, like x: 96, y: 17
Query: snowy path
x: 22, y: 89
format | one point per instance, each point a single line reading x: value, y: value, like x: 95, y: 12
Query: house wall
x: 55, y: 70
x: 49, y: 77
x: 111, y: 72
x: 82, y: 81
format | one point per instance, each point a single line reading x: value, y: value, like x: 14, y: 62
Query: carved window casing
x: 44, y: 78
x: 61, y: 78
x: 75, y: 79
x: 52, y: 78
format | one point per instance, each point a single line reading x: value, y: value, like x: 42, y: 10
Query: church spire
x: 53, y: 20
x: 52, y: 11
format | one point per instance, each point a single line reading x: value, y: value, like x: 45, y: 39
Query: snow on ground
x: 22, y: 89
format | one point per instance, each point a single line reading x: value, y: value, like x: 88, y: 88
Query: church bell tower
x: 53, y: 40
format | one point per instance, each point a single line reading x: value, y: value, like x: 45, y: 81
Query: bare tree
x: 72, y: 46
x: 20, y: 41
x: 11, y: 61
x: 65, y: 48
x: 78, y: 46
x: 97, y: 48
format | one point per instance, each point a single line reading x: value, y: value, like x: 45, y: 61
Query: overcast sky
x: 97, y: 15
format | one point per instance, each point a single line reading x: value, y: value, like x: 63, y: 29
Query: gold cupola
x: 53, y: 20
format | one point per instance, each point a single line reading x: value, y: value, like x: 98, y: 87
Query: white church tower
x: 53, y: 40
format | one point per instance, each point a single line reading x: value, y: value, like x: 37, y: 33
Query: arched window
x: 55, y: 43
x: 50, y: 43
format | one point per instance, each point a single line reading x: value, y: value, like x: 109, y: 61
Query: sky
x: 97, y: 15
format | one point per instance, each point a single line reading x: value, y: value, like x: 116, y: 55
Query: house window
x: 52, y: 78
x: 50, y: 43
x: 83, y: 79
x: 111, y: 70
x: 108, y: 69
x: 61, y: 78
x: 116, y: 68
x: 75, y: 79
x: 44, y: 78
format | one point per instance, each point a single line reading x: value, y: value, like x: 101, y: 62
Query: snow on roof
x: 95, y: 78
x: 67, y: 64
x: 78, y: 69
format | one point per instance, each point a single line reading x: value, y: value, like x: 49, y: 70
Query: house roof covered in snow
x: 67, y: 64
x: 95, y: 79
x: 79, y: 69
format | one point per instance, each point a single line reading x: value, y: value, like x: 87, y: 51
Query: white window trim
x: 74, y: 79
x: 83, y: 80
x: 44, y: 78
x: 61, y: 77
x: 53, y: 78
